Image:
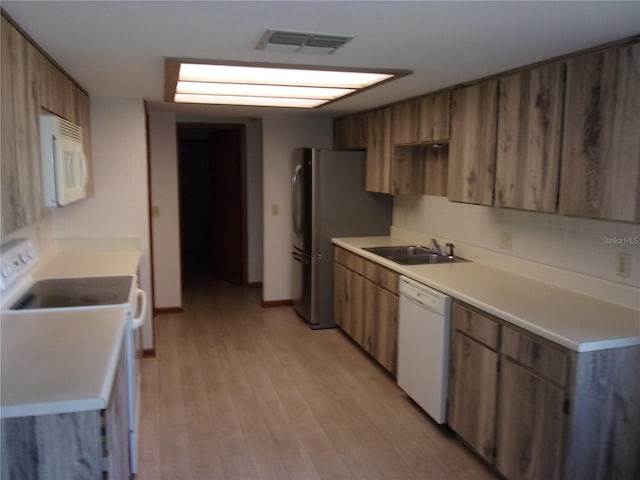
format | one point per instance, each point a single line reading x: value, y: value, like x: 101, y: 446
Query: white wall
x: 254, y: 200
x: 119, y: 207
x: 585, y: 246
x: 280, y: 135
x: 164, y: 196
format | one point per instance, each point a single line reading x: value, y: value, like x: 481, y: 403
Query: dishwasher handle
x: 424, y: 296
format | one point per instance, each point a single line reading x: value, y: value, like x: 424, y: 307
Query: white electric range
x: 22, y: 293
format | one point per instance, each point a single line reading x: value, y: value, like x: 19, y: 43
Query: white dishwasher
x: 423, y: 346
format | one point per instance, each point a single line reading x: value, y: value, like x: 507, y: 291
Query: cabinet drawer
x: 542, y: 358
x: 387, y: 279
x: 344, y: 257
x: 475, y: 324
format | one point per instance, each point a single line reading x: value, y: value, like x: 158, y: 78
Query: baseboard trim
x: 276, y: 303
x: 149, y: 353
x: 161, y: 310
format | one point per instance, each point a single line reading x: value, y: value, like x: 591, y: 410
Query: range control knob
x: 6, y: 270
x: 23, y: 258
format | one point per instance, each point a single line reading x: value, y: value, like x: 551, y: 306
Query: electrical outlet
x: 506, y: 240
x: 623, y: 264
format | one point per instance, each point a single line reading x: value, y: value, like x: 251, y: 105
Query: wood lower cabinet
x: 529, y: 138
x: 473, y: 380
x: 366, y: 306
x: 601, y: 147
x: 89, y: 445
x: 531, y: 425
x: 472, y: 147
x: 538, y: 411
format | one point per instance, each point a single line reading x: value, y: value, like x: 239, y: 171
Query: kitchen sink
x: 412, y: 255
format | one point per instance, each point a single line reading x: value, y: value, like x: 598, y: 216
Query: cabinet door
x: 385, y: 348
x: 472, y: 147
x: 529, y: 138
x: 530, y: 425
x: 600, y: 175
x: 22, y: 198
x: 433, y: 117
x: 341, y: 296
x: 473, y: 386
x: 405, y: 122
x: 117, y: 424
x: 350, y: 132
x: 379, y: 151
x: 84, y: 120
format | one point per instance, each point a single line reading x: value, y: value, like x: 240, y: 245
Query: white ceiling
x: 117, y: 48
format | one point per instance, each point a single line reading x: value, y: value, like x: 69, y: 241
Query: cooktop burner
x: 76, y: 292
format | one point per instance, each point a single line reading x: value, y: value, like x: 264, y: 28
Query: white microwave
x: 64, y: 164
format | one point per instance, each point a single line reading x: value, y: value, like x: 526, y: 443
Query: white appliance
x: 20, y: 293
x: 64, y: 164
x: 423, y: 346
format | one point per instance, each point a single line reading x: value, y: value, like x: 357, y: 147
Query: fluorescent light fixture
x: 249, y: 101
x: 250, y: 90
x: 265, y: 85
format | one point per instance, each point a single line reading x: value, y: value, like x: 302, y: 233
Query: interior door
x: 228, y: 204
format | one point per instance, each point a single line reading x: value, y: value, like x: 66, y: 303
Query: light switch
x: 275, y: 210
x: 155, y: 211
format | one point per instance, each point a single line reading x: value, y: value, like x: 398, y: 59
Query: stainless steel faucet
x: 436, y: 246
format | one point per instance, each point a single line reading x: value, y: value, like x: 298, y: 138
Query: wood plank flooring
x: 239, y: 392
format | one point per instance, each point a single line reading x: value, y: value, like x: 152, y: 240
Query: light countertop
x: 59, y: 362
x: 576, y: 321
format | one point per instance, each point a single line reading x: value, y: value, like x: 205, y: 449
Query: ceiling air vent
x: 300, y: 42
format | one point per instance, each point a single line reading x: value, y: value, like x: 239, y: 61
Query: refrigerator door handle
x: 297, y: 253
x: 296, y: 195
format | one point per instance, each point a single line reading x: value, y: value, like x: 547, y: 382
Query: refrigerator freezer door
x: 329, y: 200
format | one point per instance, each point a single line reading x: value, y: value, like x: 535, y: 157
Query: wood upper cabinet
x: 421, y: 120
x: 395, y: 170
x: 473, y: 380
x: 58, y: 94
x: 405, y: 122
x: 379, y: 151
x: 600, y: 175
x: 350, y: 132
x: 529, y: 138
x: 472, y: 145
x: 433, y: 121
x: 22, y: 197
x: 31, y: 82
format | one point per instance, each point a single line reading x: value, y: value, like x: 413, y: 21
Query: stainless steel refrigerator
x: 328, y: 200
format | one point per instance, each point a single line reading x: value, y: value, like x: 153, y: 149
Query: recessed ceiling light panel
x: 222, y: 83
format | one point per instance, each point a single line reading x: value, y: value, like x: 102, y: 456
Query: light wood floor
x: 239, y: 392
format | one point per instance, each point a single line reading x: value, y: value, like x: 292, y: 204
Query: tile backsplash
x: 588, y: 247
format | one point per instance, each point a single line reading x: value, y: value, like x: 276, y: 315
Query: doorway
x: 211, y: 168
